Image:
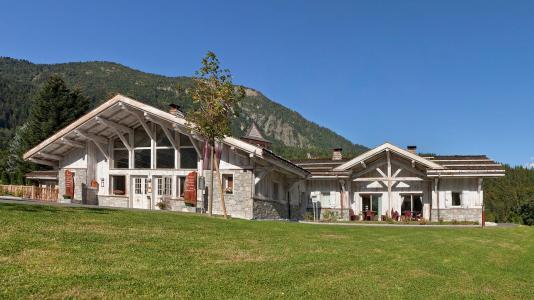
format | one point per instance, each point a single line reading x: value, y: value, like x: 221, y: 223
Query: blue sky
x: 453, y: 77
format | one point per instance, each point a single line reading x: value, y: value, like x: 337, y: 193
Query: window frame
x: 179, y: 163
x: 180, y: 183
x: 459, y: 199
x: 225, y: 180
x: 112, y: 185
x: 113, y: 149
x: 159, y: 130
x: 139, y: 148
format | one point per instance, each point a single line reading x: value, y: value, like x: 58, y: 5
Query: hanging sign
x: 190, y: 195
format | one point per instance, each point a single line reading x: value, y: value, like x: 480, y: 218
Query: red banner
x: 190, y: 195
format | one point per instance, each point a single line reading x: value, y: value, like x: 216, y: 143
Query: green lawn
x: 58, y: 252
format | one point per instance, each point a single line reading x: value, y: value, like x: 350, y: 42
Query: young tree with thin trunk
x: 215, y: 102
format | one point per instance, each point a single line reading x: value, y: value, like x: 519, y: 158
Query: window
x: 164, y: 186
x: 142, y: 158
x: 325, y: 199
x: 228, y: 183
x: 118, y: 185
x: 141, y: 138
x: 142, y: 152
x: 137, y: 185
x: 165, y: 158
x: 180, y: 186
x: 188, y: 158
x: 164, y: 150
x: 121, y: 157
x: 412, y: 203
x: 456, y: 199
x: 276, y: 191
x: 370, y: 202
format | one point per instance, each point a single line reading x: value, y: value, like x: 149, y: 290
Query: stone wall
x: 113, y: 201
x: 80, y: 183
x: 239, y: 203
x: 270, y: 209
x: 458, y: 214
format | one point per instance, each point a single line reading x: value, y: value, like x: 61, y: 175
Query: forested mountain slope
x: 292, y: 135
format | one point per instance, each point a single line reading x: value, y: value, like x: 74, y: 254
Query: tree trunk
x: 223, y: 205
x: 210, y: 202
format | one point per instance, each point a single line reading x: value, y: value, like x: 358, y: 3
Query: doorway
x: 163, y: 189
x: 140, y: 187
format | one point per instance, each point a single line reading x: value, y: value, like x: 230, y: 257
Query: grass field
x: 58, y: 252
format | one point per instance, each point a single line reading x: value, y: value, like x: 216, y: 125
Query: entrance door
x: 163, y: 189
x: 140, y: 199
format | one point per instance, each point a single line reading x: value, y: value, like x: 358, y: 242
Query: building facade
x: 128, y: 154
x: 389, y: 181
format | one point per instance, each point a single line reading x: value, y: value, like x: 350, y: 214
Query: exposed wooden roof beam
x: 44, y: 162
x: 140, y: 119
x: 118, y: 129
x: 165, y: 129
x: 114, y: 125
x: 72, y: 143
x: 50, y: 156
x: 97, y: 140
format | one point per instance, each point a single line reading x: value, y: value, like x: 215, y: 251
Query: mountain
x: 292, y: 135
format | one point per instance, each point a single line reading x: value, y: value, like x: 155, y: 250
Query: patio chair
x: 369, y: 215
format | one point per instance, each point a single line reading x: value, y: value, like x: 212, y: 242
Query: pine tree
x: 54, y: 108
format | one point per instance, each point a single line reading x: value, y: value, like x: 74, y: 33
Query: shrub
x: 526, y: 213
x: 308, y: 216
x: 164, y: 204
x: 423, y: 222
x: 330, y: 216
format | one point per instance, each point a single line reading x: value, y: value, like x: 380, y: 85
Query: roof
x: 383, y: 148
x: 432, y: 166
x: 122, y: 113
x: 460, y: 165
x: 253, y: 133
x: 43, y: 175
x: 322, y: 167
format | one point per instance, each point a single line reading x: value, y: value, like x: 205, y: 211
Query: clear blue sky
x: 453, y: 77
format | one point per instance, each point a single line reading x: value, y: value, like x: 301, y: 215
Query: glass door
x: 140, y: 199
x: 163, y: 189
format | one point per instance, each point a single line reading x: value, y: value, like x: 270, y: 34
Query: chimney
x: 175, y: 110
x: 412, y: 149
x: 336, y: 154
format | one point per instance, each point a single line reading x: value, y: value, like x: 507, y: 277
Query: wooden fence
x: 47, y: 194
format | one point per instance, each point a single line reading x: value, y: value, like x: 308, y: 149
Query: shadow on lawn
x: 52, y: 208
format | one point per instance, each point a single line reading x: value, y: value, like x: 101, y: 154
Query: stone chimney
x: 336, y: 154
x: 175, y: 110
x: 412, y: 149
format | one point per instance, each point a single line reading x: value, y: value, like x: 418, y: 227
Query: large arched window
x: 164, y: 150
x: 121, y: 157
x: 142, y: 151
x: 188, y: 154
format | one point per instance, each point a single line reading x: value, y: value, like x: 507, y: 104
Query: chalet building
x: 128, y: 154
x: 388, y: 181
